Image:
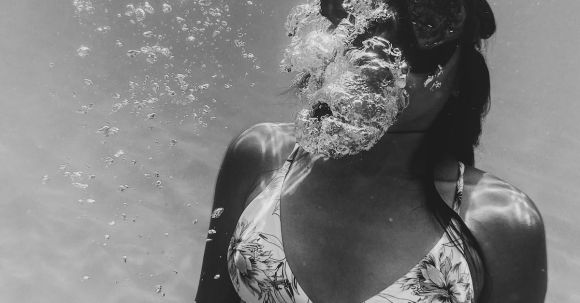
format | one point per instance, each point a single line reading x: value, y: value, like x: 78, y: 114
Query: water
x: 87, y: 217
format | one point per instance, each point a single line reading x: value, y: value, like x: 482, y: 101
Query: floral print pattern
x: 254, y: 265
x: 260, y: 273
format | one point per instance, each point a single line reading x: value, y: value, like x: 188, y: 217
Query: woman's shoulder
x: 510, y: 232
x: 264, y: 145
x: 489, y: 199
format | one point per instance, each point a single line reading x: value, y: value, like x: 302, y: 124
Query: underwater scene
x: 116, y: 115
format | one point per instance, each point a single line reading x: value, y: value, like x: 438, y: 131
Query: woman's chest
x: 346, y: 246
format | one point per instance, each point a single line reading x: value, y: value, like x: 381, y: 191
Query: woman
x: 372, y: 189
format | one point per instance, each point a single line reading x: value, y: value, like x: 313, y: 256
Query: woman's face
x: 354, y: 77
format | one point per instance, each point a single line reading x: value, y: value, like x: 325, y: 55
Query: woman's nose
x: 333, y: 10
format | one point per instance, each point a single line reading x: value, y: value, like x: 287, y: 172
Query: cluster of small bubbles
x: 103, y: 29
x: 108, y: 130
x: 200, y: 28
x: 84, y: 109
x: 180, y: 78
x: 83, y: 6
x: 150, y: 53
x: 78, y: 179
x: 119, y: 105
x: 45, y: 179
x: 140, y: 11
x: 83, y: 51
x: 432, y: 81
x: 109, y: 161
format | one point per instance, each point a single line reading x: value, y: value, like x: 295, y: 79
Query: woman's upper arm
x: 247, y: 157
x: 510, y: 231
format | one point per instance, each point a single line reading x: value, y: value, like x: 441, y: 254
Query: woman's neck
x: 396, y: 155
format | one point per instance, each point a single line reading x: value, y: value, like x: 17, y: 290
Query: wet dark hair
x: 457, y: 128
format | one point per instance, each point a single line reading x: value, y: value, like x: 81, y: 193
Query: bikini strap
x: 293, y: 153
x: 284, y: 170
x: 459, y: 188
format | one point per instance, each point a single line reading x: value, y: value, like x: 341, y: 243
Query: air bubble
x: 148, y: 34
x: 80, y: 185
x: 83, y: 51
x: 84, y: 109
x: 148, y: 8
x: 132, y: 53
x: 119, y: 153
x: 217, y: 213
x: 140, y: 14
x: 103, y: 29
x: 129, y: 10
x: 167, y: 8
x: 108, y: 130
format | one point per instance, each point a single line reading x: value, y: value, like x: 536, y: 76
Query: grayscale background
x: 121, y: 214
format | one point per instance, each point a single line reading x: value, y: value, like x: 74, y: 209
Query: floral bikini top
x: 260, y: 272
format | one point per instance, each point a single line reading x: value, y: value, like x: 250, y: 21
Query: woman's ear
x: 333, y: 10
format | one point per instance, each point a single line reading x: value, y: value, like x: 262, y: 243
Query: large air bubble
x: 363, y: 87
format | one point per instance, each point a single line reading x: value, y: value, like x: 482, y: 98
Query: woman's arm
x: 510, y: 231
x: 256, y: 151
